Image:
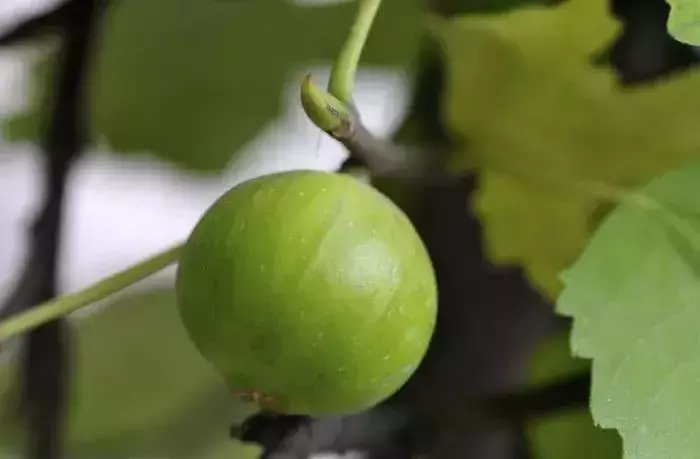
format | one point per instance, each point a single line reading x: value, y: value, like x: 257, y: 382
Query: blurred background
x: 123, y: 121
x: 153, y: 204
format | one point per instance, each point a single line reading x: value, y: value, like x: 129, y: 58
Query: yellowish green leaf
x: 544, y: 127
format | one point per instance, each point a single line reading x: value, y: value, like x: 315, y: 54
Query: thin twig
x: 45, y: 369
x: 385, y: 158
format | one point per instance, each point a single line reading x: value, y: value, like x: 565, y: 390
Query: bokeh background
x: 191, y: 97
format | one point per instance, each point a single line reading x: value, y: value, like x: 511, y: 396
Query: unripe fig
x: 309, y: 292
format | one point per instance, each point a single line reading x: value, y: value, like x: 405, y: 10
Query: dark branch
x: 566, y: 394
x: 45, y: 364
x: 517, y: 408
x: 37, y: 26
x: 385, y: 158
x: 297, y: 437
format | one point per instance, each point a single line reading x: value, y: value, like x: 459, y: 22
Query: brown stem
x: 385, y: 158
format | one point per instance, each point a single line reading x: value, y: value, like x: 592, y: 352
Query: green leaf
x: 633, y: 295
x: 540, y: 123
x: 684, y: 21
x: 572, y: 434
x: 140, y: 389
x: 193, y: 80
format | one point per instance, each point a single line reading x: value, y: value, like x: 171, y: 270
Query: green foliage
x: 572, y: 434
x: 192, y: 81
x: 633, y: 295
x: 684, y: 21
x: 140, y: 389
x: 540, y: 123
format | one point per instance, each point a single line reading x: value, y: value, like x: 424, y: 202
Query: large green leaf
x: 684, y: 21
x: 193, y: 80
x: 571, y: 434
x: 140, y: 389
x: 634, y: 296
x: 540, y: 122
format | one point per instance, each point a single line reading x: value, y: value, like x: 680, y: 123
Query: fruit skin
x: 311, y: 288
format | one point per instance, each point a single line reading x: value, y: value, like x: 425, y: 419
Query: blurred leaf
x: 141, y: 389
x: 684, y: 21
x: 573, y: 436
x: 570, y: 435
x: 465, y: 6
x: 539, y: 121
x: 193, y: 80
x: 633, y: 295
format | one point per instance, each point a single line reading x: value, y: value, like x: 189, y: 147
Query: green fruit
x: 310, y: 290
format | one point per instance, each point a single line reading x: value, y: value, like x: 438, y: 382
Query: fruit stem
x: 325, y: 111
x: 50, y: 310
x: 330, y: 110
x: 345, y: 67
